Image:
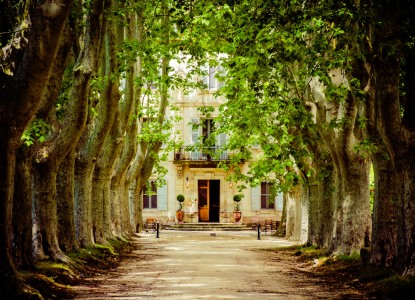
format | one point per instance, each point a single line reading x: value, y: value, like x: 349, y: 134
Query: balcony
x: 206, y: 154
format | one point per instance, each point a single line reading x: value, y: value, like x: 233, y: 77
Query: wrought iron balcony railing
x: 204, y: 154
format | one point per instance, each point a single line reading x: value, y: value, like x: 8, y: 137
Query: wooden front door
x: 209, y: 202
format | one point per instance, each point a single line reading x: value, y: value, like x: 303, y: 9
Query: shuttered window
x: 162, y: 197
x: 279, y: 201
x: 210, y: 80
x: 255, y: 198
x: 266, y: 192
x: 261, y: 196
x: 195, y: 130
x: 150, y: 196
x: 156, y: 197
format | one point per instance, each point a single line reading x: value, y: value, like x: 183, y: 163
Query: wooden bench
x: 150, y: 225
x: 254, y: 223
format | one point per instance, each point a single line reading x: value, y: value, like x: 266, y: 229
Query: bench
x: 150, y: 225
x: 267, y: 225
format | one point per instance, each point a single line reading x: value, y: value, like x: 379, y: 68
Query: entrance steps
x: 208, y: 227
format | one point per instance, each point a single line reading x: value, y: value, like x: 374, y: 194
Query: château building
x: 195, y: 174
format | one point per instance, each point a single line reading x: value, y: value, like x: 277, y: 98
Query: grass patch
x: 376, y: 282
x: 48, y: 285
x: 53, y: 280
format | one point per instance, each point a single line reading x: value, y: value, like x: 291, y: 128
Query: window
x: 150, y: 196
x: 266, y: 192
x: 203, y: 134
x: 208, y: 130
x: 210, y: 81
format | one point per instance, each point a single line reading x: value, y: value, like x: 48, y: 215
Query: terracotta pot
x: 180, y: 216
x: 237, y: 215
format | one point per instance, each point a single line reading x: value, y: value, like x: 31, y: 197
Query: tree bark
x: 49, y: 155
x: 399, y: 141
x: 118, y: 183
x: 103, y: 200
x: 23, y: 195
x: 391, y: 126
x: 128, y: 125
x: 22, y: 212
x: 106, y: 162
x: 65, y: 199
x: 20, y: 96
x: 46, y: 211
x: 351, y: 172
x: 90, y: 143
x: 384, y: 244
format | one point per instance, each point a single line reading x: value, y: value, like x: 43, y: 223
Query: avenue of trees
x: 325, y: 88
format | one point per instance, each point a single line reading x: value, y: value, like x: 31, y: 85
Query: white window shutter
x: 279, y: 201
x: 205, y: 79
x: 256, y: 198
x: 212, y: 79
x: 220, y: 143
x: 162, y: 197
x: 221, y: 140
x: 195, y: 131
x: 221, y: 73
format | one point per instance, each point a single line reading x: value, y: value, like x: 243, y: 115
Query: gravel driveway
x: 209, y: 265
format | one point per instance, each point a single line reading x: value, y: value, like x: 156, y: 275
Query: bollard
x: 157, y: 229
x: 258, y: 226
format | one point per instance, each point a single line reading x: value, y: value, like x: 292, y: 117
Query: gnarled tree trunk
x: 352, y: 222
x: 20, y: 95
x: 65, y: 198
x: 22, y: 212
x: 90, y: 143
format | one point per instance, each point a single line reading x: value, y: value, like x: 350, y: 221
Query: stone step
x: 208, y: 227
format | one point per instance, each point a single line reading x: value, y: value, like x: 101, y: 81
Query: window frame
x: 152, y: 201
x: 266, y: 195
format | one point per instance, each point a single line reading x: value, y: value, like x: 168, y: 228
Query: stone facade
x: 194, y: 173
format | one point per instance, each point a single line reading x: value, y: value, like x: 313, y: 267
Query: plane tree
x: 350, y: 64
x: 279, y: 73
x: 28, y: 52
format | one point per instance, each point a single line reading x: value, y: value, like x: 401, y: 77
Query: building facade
x: 194, y: 173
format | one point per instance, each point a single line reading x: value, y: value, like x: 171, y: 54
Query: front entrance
x: 209, y: 200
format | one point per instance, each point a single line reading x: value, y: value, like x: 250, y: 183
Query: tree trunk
x: 384, y: 244
x: 65, y: 201
x: 356, y: 206
x: 314, y: 216
x: 20, y: 96
x: 138, y: 207
x: 118, y: 182
x: 50, y: 155
x: 351, y: 171
x: 106, y: 162
x: 326, y: 199
x: 128, y: 124
x: 321, y: 197
x: 101, y: 201
x: 23, y: 185
x: 399, y: 141
x: 82, y: 197
x: 46, y: 210
x: 22, y: 212
x: 391, y: 124
x: 90, y: 144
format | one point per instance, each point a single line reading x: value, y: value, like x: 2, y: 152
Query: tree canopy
x: 323, y: 88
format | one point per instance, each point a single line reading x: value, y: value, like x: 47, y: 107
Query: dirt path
x: 199, y: 265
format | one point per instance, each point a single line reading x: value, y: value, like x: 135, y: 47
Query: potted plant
x: 178, y: 150
x: 237, y: 214
x: 180, y: 212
